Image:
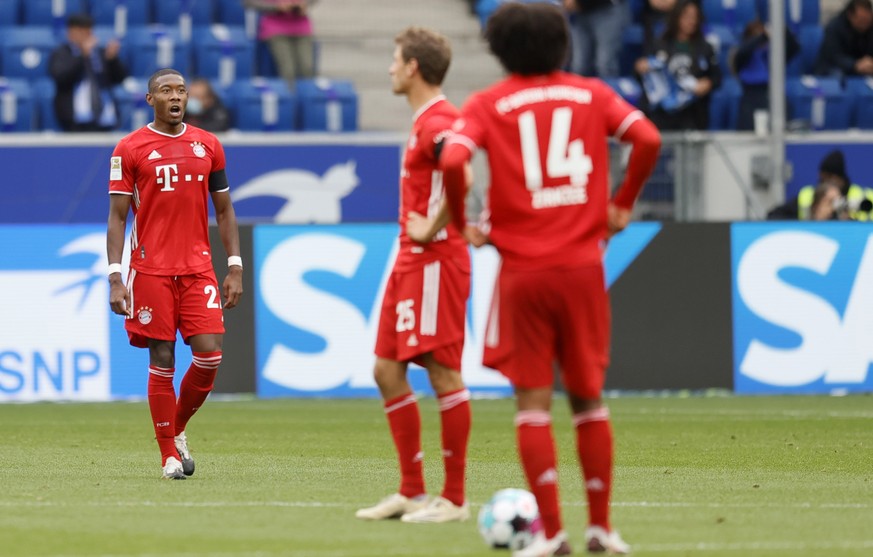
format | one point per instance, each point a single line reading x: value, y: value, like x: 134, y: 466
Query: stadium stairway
x: 357, y: 41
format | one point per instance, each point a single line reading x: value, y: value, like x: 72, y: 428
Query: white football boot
x: 393, y: 506
x: 598, y: 540
x: 438, y: 510
x: 187, y: 461
x: 542, y: 547
x: 172, y: 470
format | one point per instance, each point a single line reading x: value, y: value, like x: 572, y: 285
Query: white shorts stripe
x: 130, y: 290
x: 492, y: 330
x: 430, y: 299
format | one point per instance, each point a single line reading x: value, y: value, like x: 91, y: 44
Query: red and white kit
x: 172, y: 283
x: 550, y: 131
x: 423, y: 309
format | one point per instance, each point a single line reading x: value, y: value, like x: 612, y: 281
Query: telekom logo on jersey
x: 168, y: 174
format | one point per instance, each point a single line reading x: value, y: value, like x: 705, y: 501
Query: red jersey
x: 546, y: 138
x: 168, y: 177
x: 421, y: 187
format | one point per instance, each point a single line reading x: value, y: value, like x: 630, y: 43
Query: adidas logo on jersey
x: 413, y: 340
x: 154, y: 155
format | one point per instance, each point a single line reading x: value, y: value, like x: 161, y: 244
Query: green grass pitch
x: 710, y: 476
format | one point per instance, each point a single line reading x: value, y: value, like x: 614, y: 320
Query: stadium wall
x: 750, y: 307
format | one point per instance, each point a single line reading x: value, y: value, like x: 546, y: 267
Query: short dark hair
x: 80, y: 20
x: 160, y: 73
x: 431, y: 49
x: 528, y: 39
x: 855, y: 5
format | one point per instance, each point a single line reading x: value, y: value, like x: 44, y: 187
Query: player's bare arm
x: 119, y: 296
x: 232, y: 288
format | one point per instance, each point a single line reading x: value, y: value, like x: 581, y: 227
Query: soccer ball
x: 510, y: 519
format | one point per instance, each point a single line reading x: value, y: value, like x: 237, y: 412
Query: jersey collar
x: 427, y: 105
x: 184, y: 129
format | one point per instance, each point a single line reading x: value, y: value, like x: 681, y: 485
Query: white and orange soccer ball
x: 510, y: 519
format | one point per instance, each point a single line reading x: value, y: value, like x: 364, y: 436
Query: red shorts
x: 162, y: 305
x: 538, y: 317
x: 423, y: 311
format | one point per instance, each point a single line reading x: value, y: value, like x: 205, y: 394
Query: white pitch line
x: 753, y: 546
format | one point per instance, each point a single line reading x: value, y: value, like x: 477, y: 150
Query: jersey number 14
x: 565, y: 158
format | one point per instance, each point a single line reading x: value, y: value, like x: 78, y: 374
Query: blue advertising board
x: 802, y: 307
x: 294, y: 182
x: 58, y: 338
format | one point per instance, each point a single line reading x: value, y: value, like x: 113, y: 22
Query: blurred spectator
x: 205, y: 109
x: 285, y: 26
x: 752, y: 66
x: 680, y: 73
x: 654, y: 18
x: 595, y: 29
x: 84, y: 74
x: 847, y: 46
x: 819, y: 202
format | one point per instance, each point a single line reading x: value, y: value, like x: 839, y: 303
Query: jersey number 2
x: 564, y: 157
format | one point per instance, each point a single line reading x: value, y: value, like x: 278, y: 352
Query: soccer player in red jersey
x: 423, y: 309
x: 551, y: 214
x: 164, y: 172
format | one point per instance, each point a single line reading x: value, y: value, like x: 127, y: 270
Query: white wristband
x: 114, y: 268
x: 234, y: 260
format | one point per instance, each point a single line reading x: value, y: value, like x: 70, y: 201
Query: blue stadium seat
x: 723, y: 41
x: 231, y: 12
x: 732, y: 13
x: 819, y: 101
x: 224, y: 53
x: 797, y: 12
x: 724, y: 105
x: 261, y: 104
x: 628, y: 87
x: 631, y: 48
x: 121, y: 14
x: 26, y: 51
x: 327, y: 105
x: 17, y: 110
x: 264, y: 64
x: 44, y: 96
x: 154, y: 47
x: 860, y: 93
x: 133, y: 110
x: 10, y: 12
x: 106, y: 33
x: 636, y: 10
x: 50, y: 12
x: 173, y: 12
x: 810, y: 38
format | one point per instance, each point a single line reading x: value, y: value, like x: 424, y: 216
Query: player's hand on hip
x: 232, y: 288
x: 617, y: 218
x: 119, y: 299
x: 418, y: 227
x: 474, y: 236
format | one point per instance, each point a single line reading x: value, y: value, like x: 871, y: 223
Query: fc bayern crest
x: 144, y: 315
x: 198, y: 149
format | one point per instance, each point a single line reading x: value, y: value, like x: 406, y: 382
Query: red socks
x: 196, y: 386
x: 455, y: 422
x: 162, y: 404
x: 595, y: 448
x: 536, y: 447
x: 405, y: 424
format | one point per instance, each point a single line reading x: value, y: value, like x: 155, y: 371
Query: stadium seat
x: 16, y: 106
x: 797, y: 12
x: 50, y: 12
x: 327, y: 105
x: 133, y: 110
x: 224, y: 53
x: 265, y: 66
x: 186, y: 14
x: 44, y: 97
x: 261, y: 104
x: 26, y: 51
x: 860, y: 93
x: 628, y: 87
x: 724, y: 105
x: 121, y: 14
x: 154, y: 47
x: 809, y: 37
x: 723, y: 41
x: 231, y: 12
x: 636, y: 10
x: 819, y: 101
x: 10, y: 12
x: 106, y: 33
x: 732, y: 13
x: 631, y: 48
